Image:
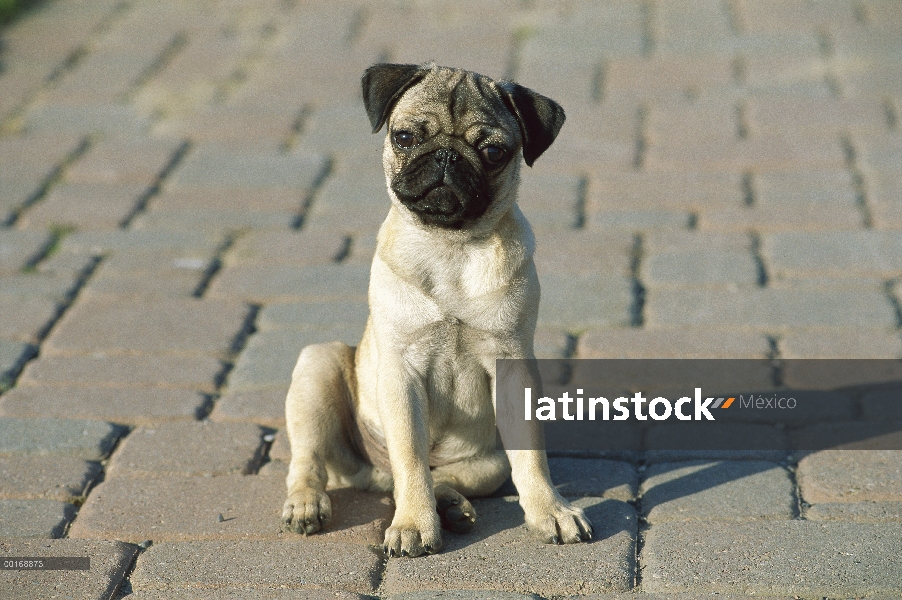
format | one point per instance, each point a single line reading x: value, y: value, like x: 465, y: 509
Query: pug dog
x: 452, y: 288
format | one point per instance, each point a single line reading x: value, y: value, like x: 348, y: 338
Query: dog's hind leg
x: 453, y: 482
x: 318, y: 413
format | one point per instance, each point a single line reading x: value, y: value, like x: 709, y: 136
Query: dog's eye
x: 405, y: 139
x: 493, y: 154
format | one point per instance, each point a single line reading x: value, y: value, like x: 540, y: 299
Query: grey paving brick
x: 247, y: 593
x: 867, y: 512
x: 46, y: 477
x: 177, y: 566
x: 128, y: 405
x: 764, y: 558
x: 461, y: 595
x: 198, y: 373
x: 188, y: 448
x: 583, y: 251
x: 767, y: 308
x: 289, y: 200
x: 302, y: 315
x: 499, y: 555
x: 97, y: 242
x: 39, y: 285
x: 840, y: 252
x: 722, y: 267
x: 782, y: 218
x: 840, y: 342
x: 162, y: 325
x: 121, y: 159
x: 724, y: 490
x: 212, y: 220
x: 17, y: 248
x: 582, y: 300
x: 882, y: 405
x: 286, y: 248
x: 692, y: 190
x: 207, y: 165
x: 110, y: 561
x: 279, y: 283
x: 264, y: 406
x: 851, y: 476
x: 696, y: 441
x: 86, y: 118
x: 576, y: 477
x: 90, y: 440
x: 188, y: 508
x: 34, y: 518
x: 549, y: 201
x: 269, y: 357
x: 671, y: 343
x: 144, y: 285
x: 85, y: 206
x: 639, y: 220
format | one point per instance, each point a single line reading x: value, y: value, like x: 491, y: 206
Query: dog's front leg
x: 403, y: 408
x: 547, y: 514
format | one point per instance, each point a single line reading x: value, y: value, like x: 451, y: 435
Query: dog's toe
x: 455, y: 511
x: 306, y: 511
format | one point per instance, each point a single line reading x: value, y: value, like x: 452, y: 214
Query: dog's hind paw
x: 455, y: 512
x: 306, y: 511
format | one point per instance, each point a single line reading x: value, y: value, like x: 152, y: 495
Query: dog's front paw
x: 559, y: 523
x: 455, y: 512
x: 306, y: 511
x: 409, y: 539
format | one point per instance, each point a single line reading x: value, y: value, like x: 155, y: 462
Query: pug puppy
x: 452, y: 288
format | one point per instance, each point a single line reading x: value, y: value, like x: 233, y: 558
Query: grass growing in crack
x: 57, y: 233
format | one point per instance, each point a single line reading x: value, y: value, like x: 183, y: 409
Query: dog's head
x: 451, y: 153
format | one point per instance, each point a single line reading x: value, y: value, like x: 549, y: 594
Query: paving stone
x: 670, y: 442
x: 763, y: 558
x: 163, y: 325
x: 128, y: 405
x: 639, y: 220
x: 198, y: 373
x: 38, y: 286
x: 720, y: 267
x: 281, y: 447
x: 164, y: 242
x: 828, y: 253
x: 810, y: 217
x: 264, y: 406
x: 84, y: 206
x: 766, y: 153
x: 575, y: 478
x: 121, y: 159
x: 144, y: 285
x: 666, y: 76
x: 302, y: 315
x: 724, y: 490
x: 46, y: 477
x: 24, y: 318
x: 179, y: 508
x: 247, y: 593
x: 462, y: 595
x: 671, y: 343
x: 207, y: 165
x: 583, y: 251
x: 499, y: 555
x: 692, y: 190
x: 550, y: 200
x: 280, y: 283
x: 90, y: 440
x: 17, y: 248
x: 286, y: 248
x: 819, y: 116
x: 212, y: 220
x: 289, y: 200
x: 269, y: 357
x: 34, y: 518
x: 110, y: 561
x: 577, y: 301
x: 86, y: 118
x: 841, y: 343
x: 772, y: 308
x: 188, y: 448
x: 862, y: 512
x: 851, y: 476
x: 180, y: 566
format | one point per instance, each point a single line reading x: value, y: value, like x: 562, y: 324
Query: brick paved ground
x: 189, y: 193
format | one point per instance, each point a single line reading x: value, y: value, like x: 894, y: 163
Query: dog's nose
x: 445, y: 156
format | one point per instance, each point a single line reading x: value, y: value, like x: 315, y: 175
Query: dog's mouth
x: 443, y: 193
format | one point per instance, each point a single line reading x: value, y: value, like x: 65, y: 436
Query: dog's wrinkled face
x: 453, y: 138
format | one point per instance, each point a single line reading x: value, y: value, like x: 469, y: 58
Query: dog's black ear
x: 383, y: 85
x: 540, y: 118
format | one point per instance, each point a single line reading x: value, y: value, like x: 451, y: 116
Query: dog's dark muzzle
x: 443, y: 188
